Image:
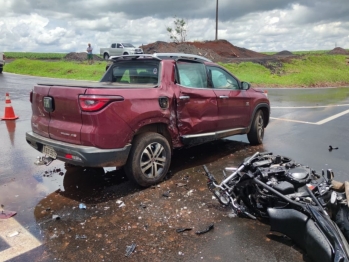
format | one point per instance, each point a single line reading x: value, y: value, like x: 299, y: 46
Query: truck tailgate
x: 65, y: 123
x: 56, y: 112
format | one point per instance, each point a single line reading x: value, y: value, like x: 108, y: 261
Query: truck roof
x: 163, y: 56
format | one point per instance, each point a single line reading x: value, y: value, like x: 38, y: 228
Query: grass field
x: 32, y: 55
x: 310, y: 70
x: 57, y: 69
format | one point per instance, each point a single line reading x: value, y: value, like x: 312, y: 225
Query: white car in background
x: 2, y: 61
x: 118, y: 49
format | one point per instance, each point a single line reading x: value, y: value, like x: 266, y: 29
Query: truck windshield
x: 127, y: 45
x: 136, y: 72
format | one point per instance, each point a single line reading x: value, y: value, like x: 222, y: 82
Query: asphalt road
x: 304, y: 123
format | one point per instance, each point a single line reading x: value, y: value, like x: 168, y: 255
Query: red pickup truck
x: 144, y: 107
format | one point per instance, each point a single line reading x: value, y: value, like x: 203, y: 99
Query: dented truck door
x: 197, y: 109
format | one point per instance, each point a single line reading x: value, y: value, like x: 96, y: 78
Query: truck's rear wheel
x: 0, y: 70
x: 149, y: 159
x: 106, y: 56
x: 256, y: 134
x: 125, y: 53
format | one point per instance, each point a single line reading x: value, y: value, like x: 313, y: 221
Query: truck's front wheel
x: 149, y: 159
x: 106, y: 56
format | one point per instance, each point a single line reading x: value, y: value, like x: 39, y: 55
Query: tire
x: 0, y: 70
x: 342, y: 220
x: 125, y: 53
x: 153, y: 152
x: 106, y: 56
x: 256, y: 134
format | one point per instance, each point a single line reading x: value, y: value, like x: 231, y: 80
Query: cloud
x: 261, y: 25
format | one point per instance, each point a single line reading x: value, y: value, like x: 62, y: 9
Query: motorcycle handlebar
x: 248, y: 162
x: 208, y: 174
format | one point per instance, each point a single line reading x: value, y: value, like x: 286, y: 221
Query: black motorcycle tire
x: 342, y: 221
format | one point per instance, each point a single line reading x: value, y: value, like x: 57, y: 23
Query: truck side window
x: 118, y: 46
x: 221, y: 79
x: 192, y: 74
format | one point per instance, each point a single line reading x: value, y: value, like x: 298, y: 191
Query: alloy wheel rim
x: 153, y: 160
x: 260, y: 128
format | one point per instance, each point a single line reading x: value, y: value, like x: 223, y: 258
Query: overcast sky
x: 259, y: 25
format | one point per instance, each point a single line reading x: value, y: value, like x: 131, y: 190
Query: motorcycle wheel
x: 342, y: 221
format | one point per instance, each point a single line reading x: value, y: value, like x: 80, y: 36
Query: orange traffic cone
x: 9, y: 113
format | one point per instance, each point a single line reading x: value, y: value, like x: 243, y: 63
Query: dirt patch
x: 223, y: 51
x: 217, y: 51
x: 338, y: 51
x: 82, y: 56
x: 284, y: 52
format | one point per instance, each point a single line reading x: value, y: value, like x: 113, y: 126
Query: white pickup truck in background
x: 2, y: 61
x: 117, y: 49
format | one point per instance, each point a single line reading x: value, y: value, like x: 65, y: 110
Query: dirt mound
x: 82, y: 56
x: 338, y: 51
x: 217, y: 51
x: 284, y: 52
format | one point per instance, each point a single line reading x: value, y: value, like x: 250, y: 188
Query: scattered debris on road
x: 330, y: 148
x: 56, y: 217
x: 13, y: 234
x: 82, y: 206
x: 130, y: 249
x: 166, y: 194
x: 180, y: 230
x: 210, y: 227
x: 7, y: 214
x: 80, y: 237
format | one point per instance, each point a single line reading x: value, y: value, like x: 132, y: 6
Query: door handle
x: 184, y: 97
x: 223, y: 97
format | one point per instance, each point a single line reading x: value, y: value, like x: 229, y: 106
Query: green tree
x: 178, y: 33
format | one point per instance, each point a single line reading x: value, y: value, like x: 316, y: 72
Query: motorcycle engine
x: 286, y: 178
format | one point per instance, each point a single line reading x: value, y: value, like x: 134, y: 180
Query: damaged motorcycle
x: 309, y: 208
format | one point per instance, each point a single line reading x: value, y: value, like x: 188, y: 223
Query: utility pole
x: 217, y: 20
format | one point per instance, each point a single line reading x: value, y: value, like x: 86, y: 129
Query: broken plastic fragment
x: 7, y: 214
x: 80, y: 237
x: 330, y: 148
x: 190, y: 192
x: 82, y: 206
x: 166, y: 194
x: 180, y: 230
x: 15, y: 233
x: 56, y: 217
x: 130, y: 249
x: 232, y: 214
x: 181, y: 184
x: 210, y: 227
x: 122, y: 204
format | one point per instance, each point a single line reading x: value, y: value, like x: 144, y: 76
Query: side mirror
x: 245, y: 85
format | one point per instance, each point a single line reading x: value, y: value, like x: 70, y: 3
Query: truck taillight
x: 92, y: 103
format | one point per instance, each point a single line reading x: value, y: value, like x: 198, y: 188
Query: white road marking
x: 291, y: 120
x: 332, y: 117
x: 321, y: 122
x: 301, y: 107
x: 19, y: 243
